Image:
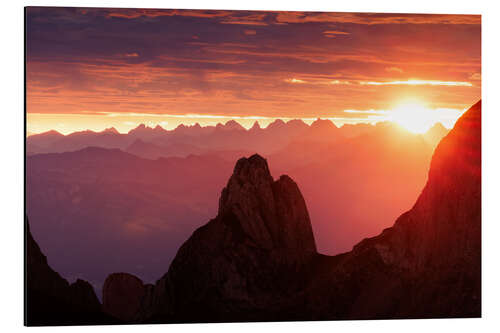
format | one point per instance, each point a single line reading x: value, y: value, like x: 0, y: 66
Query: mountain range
x: 197, y: 139
x: 135, y: 203
x: 257, y: 260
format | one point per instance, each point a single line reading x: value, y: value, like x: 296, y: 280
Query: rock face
x: 257, y: 260
x: 122, y: 296
x: 248, y: 260
x: 51, y: 300
x: 273, y: 215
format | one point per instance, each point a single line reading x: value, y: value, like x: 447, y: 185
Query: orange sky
x: 97, y: 68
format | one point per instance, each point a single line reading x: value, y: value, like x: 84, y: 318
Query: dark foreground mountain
x: 123, y: 295
x: 51, y: 300
x: 257, y: 260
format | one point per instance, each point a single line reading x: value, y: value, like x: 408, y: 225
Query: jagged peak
x: 255, y: 126
x: 144, y: 128
x: 233, y: 124
x: 230, y: 125
x: 323, y: 123
x: 276, y: 124
x: 272, y: 213
x: 438, y: 126
x: 51, y: 132
x: 84, y: 132
x: 255, y: 162
x: 110, y: 130
x: 138, y: 128
x: 297, y: 122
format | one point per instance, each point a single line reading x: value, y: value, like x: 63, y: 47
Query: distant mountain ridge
x: 228, y: 136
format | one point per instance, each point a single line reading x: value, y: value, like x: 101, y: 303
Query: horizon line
x: 307, y: 121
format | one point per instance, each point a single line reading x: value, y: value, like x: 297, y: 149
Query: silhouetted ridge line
x: 51, y: 300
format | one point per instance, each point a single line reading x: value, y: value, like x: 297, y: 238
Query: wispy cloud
x: 376, y: 18
x: 334, y: 33
x: 371, y: 111
x: 384, y: 83
x: 316, y: 81
x: 393, y: 69
x: 294, y: 80
x: 338, y: 82
x: 418, y: 83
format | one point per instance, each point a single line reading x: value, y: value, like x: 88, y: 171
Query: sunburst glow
x: 414, y: 116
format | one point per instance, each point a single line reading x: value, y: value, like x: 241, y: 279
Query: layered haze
x: 106, y: 201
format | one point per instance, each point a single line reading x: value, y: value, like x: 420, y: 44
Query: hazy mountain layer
x: 138, y: 211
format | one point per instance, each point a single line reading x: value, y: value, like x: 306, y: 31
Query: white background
x: 11, y: 162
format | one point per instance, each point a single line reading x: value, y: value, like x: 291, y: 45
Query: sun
x: 414, y: 116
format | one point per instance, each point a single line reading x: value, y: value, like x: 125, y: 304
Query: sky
x: 99, y: 68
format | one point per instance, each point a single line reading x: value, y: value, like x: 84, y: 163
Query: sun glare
x: 413, y: 116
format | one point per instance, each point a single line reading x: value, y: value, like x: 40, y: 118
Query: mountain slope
x: 51, y: 300
x: 429, y: 263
